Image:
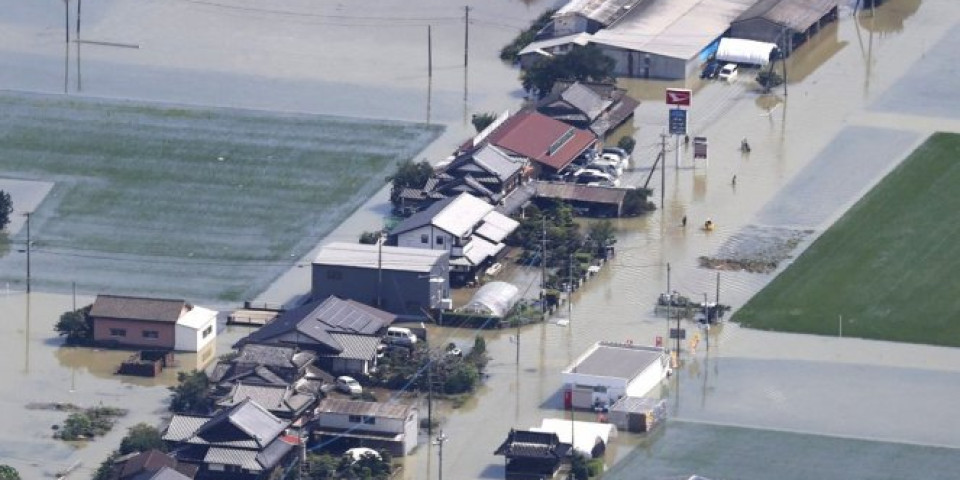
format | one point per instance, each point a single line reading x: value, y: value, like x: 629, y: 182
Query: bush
x: 627, y: 143
x: 140, y: 438
x: 369, y: 238
x: 77, y: 326
x: 408, y: 175
x: 462, y: 377
x: 482, y: 120
x: 510, y: 52
x: 191, y: 395
x: 8, y: 473
x: 636, y: 203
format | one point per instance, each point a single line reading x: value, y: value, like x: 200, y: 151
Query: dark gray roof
x: 798, y: 15
x: 246, y: 424
x: 421, y: 218
x: 273, y: 356
x: 164, y: 473
x: 367, y: 409
x: 151, y: 465
x: 137, y: 308
x: 529, y: 444
x: 274, y: 398
x: 314, y: 323
x: 494, y: 161
x: 585, y: 100
x: 269, y: 457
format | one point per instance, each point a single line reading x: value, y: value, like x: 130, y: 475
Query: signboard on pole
x: 682, y: 333
x: 678, y: 121
x: 679, y: 96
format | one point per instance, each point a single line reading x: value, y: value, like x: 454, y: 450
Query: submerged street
x: 857, y: 104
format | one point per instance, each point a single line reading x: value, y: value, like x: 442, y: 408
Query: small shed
x: 588, y: 438
x: 637, y: 414
x: 609, y: 371
x: 493, y: 299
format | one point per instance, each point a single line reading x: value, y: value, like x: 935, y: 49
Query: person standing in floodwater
x: 734, y: 181
x: 684, y: 221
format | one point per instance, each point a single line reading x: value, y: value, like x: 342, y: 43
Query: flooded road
x: 830, y: 129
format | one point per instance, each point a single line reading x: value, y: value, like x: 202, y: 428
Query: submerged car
x: 728, y: 73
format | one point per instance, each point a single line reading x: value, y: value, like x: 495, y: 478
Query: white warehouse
x: 609, y: 371
x: 195, y: 330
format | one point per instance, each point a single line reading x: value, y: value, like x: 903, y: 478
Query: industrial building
x: 609, y: 371
x: 786, y: 23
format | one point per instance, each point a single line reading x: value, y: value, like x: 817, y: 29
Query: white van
x: 400, y: 336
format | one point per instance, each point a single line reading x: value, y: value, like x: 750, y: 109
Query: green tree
x: 461, y: 377
x: 105, y: 470
x: 6, y: 208
x: 140, y: 438
x: 408, y: 175
x: 578, y: 467
x: 627, y: 143
x: 482, y: 120
x: 369, y: 238
x: 77, y: 326
x: 581, y: 63
x: 78, y: 425
x: 8, y: 473
x: 636, y: 203
x: 601, y: 234
x: 510, y: 53
x: 191, y: 395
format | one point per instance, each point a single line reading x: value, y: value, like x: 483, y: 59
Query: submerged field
x: 208, y: 204
x: 888, y: 266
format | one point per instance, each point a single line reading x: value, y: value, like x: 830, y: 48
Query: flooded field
x: 194, y: 52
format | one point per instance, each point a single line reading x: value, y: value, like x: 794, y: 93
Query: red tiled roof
x: 542, y: 139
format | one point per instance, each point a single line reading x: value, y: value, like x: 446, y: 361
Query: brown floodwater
x: 318, y: 57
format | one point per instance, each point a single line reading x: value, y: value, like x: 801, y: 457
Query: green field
x: 716, y: 452
x: 201, y: 203
x: 890, y: 266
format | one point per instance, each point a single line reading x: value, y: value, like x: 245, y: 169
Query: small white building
x: 195, y: 329
x: 609, y: 371
x: 588, y: 438
x: 389, y: 426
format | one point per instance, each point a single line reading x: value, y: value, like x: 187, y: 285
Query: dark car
x: 711, y: 69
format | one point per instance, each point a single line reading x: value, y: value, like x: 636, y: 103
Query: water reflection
x: 889, y: 17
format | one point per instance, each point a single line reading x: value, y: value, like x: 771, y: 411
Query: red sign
x: 679, y: 96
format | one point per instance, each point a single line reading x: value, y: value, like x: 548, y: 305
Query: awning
x: 739, y: 50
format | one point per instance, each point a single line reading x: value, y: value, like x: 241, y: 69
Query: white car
x: 400, y: 336
x: 728, y: 73
x: 349, y: 385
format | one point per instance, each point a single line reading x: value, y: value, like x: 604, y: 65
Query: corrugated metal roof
x: 137, y: 308
x: 367, y: 409
x: 635, y: 404
x: 798, y: 15
x: 583, y: 193
x: 542, y: 47
x: 246, y: 459
x: 479, y: 249
x: 585, y: 100
x: 672, y: 28
x: 197, y: 318
x: 496, y: 162
x: 183, y: 427
x: 462, y: 214
x: 368, y: 256
x: 496, y: 226
x: 542, y: 139
x: 603, y: 11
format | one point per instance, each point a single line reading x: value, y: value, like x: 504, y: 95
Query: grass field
x: 889, y: 266
x: 732, y: 453
x: 202, y: 203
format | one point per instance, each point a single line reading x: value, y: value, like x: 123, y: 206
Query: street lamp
x: 440, y: 440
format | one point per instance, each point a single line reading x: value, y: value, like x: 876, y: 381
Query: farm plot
x: 208, y: 204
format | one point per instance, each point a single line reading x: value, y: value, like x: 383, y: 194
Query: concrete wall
x: 134, y: 333
x: 403, y: 293
x: 634, y: 64
x: 647, y: 380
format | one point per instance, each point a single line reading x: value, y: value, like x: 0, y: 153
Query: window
x: 118, y: 332
x: 424, y: 238
x: 363, y: 419
x: 440, y: 240
x: 356, y: 419
x: 370, y: 420
x: 207, y: 331
x: 334, y: 275
x: 151, y: 334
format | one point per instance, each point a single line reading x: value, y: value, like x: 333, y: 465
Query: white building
x: 195, y: 329
x: 609, y: 371
x: 390, y: 426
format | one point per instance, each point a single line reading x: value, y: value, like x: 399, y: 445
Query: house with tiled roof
x: 152, y: 323
x: 532, y: 455
x: 598, y: 107
x: 349, y: 423
x: 244, y: 442
x: 343, y: 334
x: 549, y: 144
x: 284, y: 402
x: 151, y: 465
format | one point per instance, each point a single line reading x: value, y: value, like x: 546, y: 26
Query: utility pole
x: 441, y: 439
x: 79, y: 2
x: 430, y: 396
x: 663, y: 169
x: 543, y: 270
x: 28, y: 251
x: 66, y: 19
x: 74, y: 296
x: 466, y: 35
x: 380, y: 270
x: 429, y: 52
x: 783, y: 57
x: 669, y: 302
x: 570, y: 291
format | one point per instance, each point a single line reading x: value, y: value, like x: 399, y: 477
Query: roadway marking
x: 905, y: 121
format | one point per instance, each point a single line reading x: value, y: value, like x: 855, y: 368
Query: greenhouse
x: 494, y: 299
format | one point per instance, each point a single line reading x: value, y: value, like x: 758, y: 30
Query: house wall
x: 759, y: 29
x: 647, y: 380
x: 403, y: 293
x: 436, y: 239
x: 634, y: 64
x: 392, y: 426
x: 189, y: 339
x: 348, y: 366
x: 578, y: 383
x: 134, y: 333
x: 411, y: 429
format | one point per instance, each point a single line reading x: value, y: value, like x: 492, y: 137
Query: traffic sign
x: 682, y: 333
x: 678, y: 121
x: 679, y: 96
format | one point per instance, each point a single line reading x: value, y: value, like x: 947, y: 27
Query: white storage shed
x: 609, y: 371
x: 195, y: 329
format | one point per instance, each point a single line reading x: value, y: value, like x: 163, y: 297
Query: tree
x: 191, y: 394
x: 140, y: 438
x: 635, y: 202
x: 627, y: 143
x: 78, y: 425
x: 408, y: 175
x: 578, y: 467
x: 6, y: 208
x: 8, y: 473
x: 510, y: 53
x: 369, y: 238
x: 602, y: 234
x: 461, y: 378
x: 581, y: 63
x: 105, y: 471
x: 77, y: 326
x: 482, y: 120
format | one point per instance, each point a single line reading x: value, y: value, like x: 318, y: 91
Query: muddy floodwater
x: 842, y: 124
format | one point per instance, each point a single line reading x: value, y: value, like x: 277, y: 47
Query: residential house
x: 151, y: 465
x: 282, y: 401
x: 244, y: 442
x: 269, y: 365
x: 532, y: 455
x: 348, y: 423
x: 403, y: 281
x: 469, y: 229
x: 152, y: 323
x: 487, y: 173
x: 343, y: 334
x: 598, y: 107
x: 549, y: 144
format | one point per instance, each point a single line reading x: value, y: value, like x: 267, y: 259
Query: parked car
x: 400, y: 336
x: 624, y: 156
x: 711, y: 69
x: 606, y: 166
x: 728, y: 73
x: 349, y: 385
x: 590, y: 176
